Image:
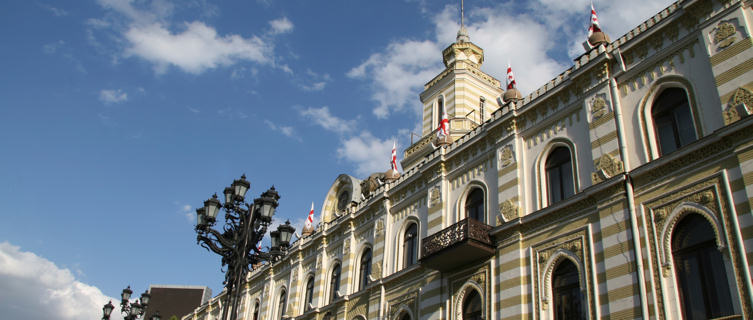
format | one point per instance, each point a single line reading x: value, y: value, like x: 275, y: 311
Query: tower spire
x: 462, y: 33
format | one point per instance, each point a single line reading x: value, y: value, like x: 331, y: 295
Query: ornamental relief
x: 606, y: 167
x: 435, y: 196
x: 506, y: 156
x: 724, y: 35
x: 599, y: 107
x: 508, y: 210
x: 739, y: 106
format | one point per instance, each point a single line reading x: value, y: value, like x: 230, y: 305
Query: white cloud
x: 398, y: 73
x: 194, y: 50
x: 35, y: 288
x: 323, y: 118
x: 192, y: 47
x: 109, y: 96
x: 280, y: 26
x: 368, y: 153
x: 287, y: 131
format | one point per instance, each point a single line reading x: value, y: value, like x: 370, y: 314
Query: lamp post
x: 130, y: 310
x: 245, y: 225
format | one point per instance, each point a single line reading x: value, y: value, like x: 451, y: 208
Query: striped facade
x: 616, y: 228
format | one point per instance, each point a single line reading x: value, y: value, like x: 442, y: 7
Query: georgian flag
x: 594, y: 27
x: 393, y: 163
x: 310, y: 219
x: 443, y: 124
x: 510, y: 78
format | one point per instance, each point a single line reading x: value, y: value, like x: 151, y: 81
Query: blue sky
x: 119, y: 118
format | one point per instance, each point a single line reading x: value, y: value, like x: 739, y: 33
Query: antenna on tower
x: 462, y: 14
x: 462, y: 33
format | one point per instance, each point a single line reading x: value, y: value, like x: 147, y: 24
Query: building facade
x: 621, y: 189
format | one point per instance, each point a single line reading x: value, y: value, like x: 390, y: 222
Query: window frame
x: 364, y: 270
x: 545, y: 181
x: 414, y: 246
x: 334, y: 286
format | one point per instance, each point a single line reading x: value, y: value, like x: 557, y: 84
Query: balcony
x: 458, y: 245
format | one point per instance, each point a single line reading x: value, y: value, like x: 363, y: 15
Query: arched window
x: 568, y: 301
x: 405, y: 316
x: 472, y: 306
x: 256, y: 311
x: 474, y: 204
x: 410, y: 245
x: 699, y: 267
x: 334, y: 283
x: 309, y: 301
x: 281, y: 305
x: 365, y: 269
x: 559, y: 174
x: 673, y: 122
x: 342, y: 200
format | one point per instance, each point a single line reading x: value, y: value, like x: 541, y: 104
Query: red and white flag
x: 310, y: 219
x: 510, y: 78
x: 443, y: 125
x: 594, y: 27
x: 393, y: 162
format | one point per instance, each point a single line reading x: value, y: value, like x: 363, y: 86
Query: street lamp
x: 130, y: 310
x: 245, y: 225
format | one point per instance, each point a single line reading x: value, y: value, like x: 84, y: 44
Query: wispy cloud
x: 55, y: 11
x: 36, y: 288
x: 112, y: 96
x: 325, y: 119
x: 312, y: 81
x: 287, y: 131
x: 281, y: 25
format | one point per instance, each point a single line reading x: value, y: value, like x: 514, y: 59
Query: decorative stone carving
x: 506, y: 156
x: 479, y: 278
x: 435, y: 196
x: 346, y: 248
x: 599, y: 107
x: 376, y: 270
x: 378, y: 227
x: 508, y: 210
x: 606, y: 167
x: 724, y: 34
x: 373, y: 182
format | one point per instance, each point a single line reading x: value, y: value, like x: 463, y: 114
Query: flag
x: 510, y: 78
x: 594, y: 27
x: 310, y: 219
x: 393, y: 163
x: 443, y: 124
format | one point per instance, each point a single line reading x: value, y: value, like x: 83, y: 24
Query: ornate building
x: 620, y: 189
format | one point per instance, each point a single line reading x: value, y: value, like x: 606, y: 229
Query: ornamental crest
x: 599, y: 107
x: 724, y: 35
x: 435, y: 196
x: 506, y: 156
x: 606, y: 167
x: 508, y: 210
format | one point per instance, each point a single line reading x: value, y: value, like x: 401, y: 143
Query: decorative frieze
x: 606, y: 167
x: 508, y: 210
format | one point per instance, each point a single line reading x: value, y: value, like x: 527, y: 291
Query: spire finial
x: 462, y: 33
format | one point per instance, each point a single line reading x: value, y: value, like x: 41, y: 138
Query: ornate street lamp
x: 130, y: 310
x: 245, y: 225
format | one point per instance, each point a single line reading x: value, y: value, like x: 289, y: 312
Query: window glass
x: 699, y: 267
x: 334, y: 284
x: 559, y: 175
x: 410, y: 243
x: 472, y: 306
x: 566, y: 292
x: 309, y: 294
x: 281, y: 305
x: 474, y: 204
x: 365, y: 269
x: 673, y: 121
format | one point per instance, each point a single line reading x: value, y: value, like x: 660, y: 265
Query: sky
x: 118, y: 118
